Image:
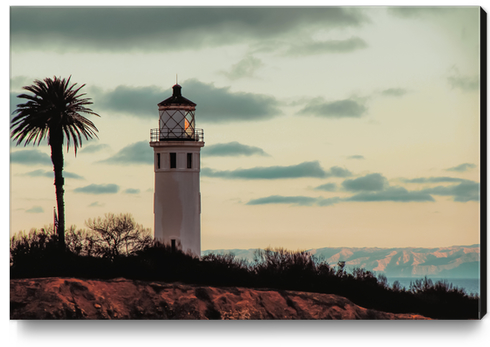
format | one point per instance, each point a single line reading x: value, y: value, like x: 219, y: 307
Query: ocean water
x: 470, y: 285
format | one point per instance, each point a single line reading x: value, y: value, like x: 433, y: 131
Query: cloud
x: 394, y: 92
x: 465, y: 83
x: 244, y: 68
x: 40, y: 173
x: 133, y: 29
x: 462, y: 167
x: 95, y: 148
x: 277, y: 199
x: 375, y: 188
x: 135, y: 153
x: 219, y: 105
x: 50, y: 174
x: 328, y: 187
x: 329, y: 201
x: 35, y: 209
x: 30, y: 157
x: 132, y: 101
x: 371, y: 182
x: 98, y: 189
x: 95, y: 204
x: 432, y: 180
x: 14, y: 101
x: 132, y: 191
x: 346, y: 108
x: 305, y: 169
x: 396, y: 194
x: 356, y: 157
x: 231, y: 149
x: 336, y: 171
x: 463, y: 192
x: 416, y: 12
x: 331, y: 46
x: 214, y: 104
x: 17, y: 82
x: 67, y: 174
x: 294, y: 200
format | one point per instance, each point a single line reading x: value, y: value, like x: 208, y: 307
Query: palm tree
x: 54, y: 111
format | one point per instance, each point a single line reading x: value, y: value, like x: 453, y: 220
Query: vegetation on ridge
x: 94, y: 254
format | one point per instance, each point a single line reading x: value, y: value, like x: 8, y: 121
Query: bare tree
x: 117, y: 235
x: 81, y: 242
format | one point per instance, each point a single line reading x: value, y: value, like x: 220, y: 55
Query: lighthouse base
x: 177, y: 199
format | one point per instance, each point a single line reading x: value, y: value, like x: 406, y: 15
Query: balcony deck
x: 167, y: 135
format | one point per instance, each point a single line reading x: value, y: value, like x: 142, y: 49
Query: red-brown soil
x: 72, y: 298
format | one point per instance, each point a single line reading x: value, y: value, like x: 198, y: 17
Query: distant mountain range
x: 443, y: 262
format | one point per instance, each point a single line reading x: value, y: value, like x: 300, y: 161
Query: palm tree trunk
x: 57, y: 159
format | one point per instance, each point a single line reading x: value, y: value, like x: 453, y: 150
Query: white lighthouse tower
x: 177, y: 198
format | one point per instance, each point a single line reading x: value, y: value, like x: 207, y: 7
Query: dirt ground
x: 72, y: 298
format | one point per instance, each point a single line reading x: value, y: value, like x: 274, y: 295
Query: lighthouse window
x: 189, y: 160
x: 173, y: 160
x: 158, y: 160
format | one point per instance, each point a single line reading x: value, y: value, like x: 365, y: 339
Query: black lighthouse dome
x: 176, y: 98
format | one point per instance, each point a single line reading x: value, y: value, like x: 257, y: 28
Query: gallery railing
x: 176, y: 135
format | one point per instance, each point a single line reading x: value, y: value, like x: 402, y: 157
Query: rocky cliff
x: 71, y: 298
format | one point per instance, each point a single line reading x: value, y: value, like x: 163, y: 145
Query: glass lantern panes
x: 177, y: 124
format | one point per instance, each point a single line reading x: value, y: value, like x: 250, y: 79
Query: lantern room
x: 176, y: 122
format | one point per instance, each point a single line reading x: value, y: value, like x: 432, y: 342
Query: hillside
x: 444, y: 262
x: 71, y: 298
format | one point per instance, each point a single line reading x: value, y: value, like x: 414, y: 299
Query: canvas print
x: 248, y: 163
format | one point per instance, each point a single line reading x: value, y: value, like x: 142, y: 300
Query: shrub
x: 36, y: 243
x: 396, y: 287
x: 36, y: 255
x: 284, y: 269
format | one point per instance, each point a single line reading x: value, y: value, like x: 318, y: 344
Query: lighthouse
x: 176, y: 146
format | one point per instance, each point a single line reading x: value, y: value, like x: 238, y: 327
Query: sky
x: 323, y: 127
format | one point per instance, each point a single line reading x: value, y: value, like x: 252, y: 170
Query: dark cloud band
x: 214, y: 104
x: 165, y: 28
